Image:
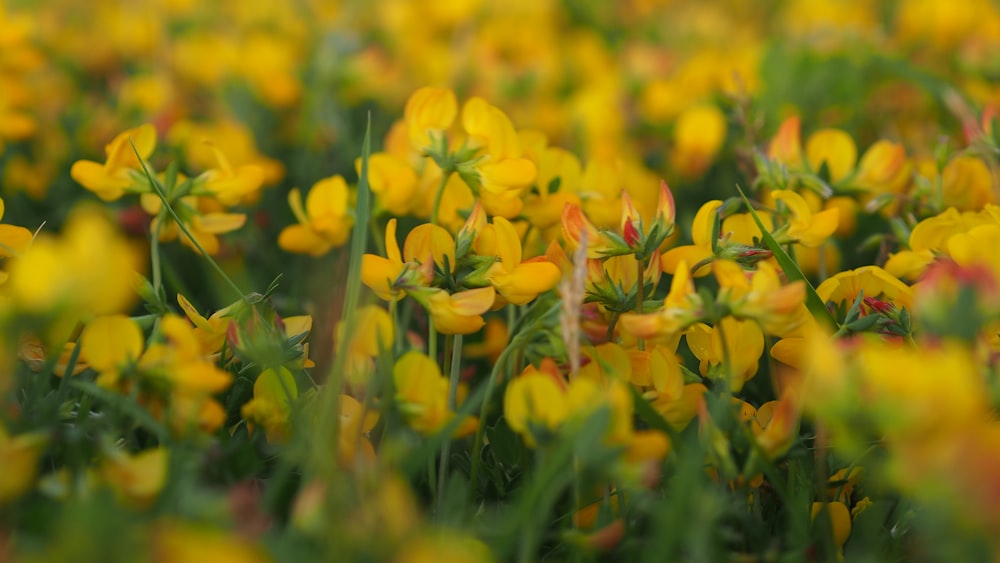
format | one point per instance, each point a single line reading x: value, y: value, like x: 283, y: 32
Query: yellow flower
x: 535, y: 404
x: 273, y: 393
x: 778, y: 308
x: 456, y: 313
x: 228, y: 184
x: 539, y: 402
x: 786, y: 146
x: 393, y: 182
x: 517, y: 281
x: 211, y: 332
x: 883, y: 169
x: 136, y: 479
x: 19, y: 456
x: 966, y: 184
x: 681, y: 308
x: 355, y: 424
x: 108, y: 343
x: 699, y: 133
x: 844, y: 287
x: 324, y: 222
x: 182, y: 377
x: 501, y: 170
x: 204, y: 217
x: 931, y: 237
x: 444, y: 547
x: 174, y: 542
x: 836, y: 149
x: 744, y: 344
x: 429, y: 112
x: 777, y: 424
x: 840, y: 520
x: 701, y: 249
x: 379, y: 273
x: 804, y: 226
x: 425, y: 246
x: 14, y: 240
x: 88, y: 270
x: 422, y: 393
x: 121, y: 171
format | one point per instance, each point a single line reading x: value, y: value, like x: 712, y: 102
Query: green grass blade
x: 814, y: 303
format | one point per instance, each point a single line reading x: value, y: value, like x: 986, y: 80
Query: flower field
x: 480, y: 281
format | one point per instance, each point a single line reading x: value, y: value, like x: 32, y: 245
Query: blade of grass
x: 330, y: 413
x: 163, y: 200
x: 813, y: 301
x: 125, y: 405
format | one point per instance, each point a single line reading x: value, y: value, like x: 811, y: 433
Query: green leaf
x: 813, y: 301
x: 125, y: 405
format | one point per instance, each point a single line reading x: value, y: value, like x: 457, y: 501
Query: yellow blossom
x: 273, y: 393
x: 19, y: 456
x: 701, y: 248
x: 429, y: 111
x: 136, y: 479
x: 804, y: 226
x: 323, y: 223
x: 517, y: 281
x: 743, y: 342
x: 422, y: 393
x: 14, y: 240
x: 121, y: 171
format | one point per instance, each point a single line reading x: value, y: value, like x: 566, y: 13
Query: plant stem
x: 166, y: 204
x: 727, y: 362
x: 477, y: 444
x: 640, y: 295
x: 154, y: 251
x: 445, y: 175
x: 454, y: 368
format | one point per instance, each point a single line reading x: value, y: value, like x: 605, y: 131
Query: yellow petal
x: 108, y: 342
x: 303, y: 240
x: 689, y: 254
x: 834, y: 147
x: 218, y: 223
x: 430, y: 241
x: 328, y: 197
x: 13, y: 240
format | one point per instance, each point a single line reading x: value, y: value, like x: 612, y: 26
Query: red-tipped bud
x: 666, y: 209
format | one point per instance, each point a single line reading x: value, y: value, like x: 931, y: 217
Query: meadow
x: 481, y: 281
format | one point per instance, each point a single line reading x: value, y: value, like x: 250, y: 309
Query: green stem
x: 397, y: 332
x: 445, y: 174
x: 454, y: 369
x: 432, y: 345
x: 701, y: 264
x: 154, y: 252
x: 641, y: 296
x: 335, y: 378
x: 610, y: 336
x: 727, y: 362
x: 163, y: 199
x: 477, y: 444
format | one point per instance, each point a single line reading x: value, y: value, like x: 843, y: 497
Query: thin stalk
x: 166, y: 204
x: 454, y: 369
x: 727, y: 361
x: 154, y: 251
x: 445, y: 175
x: 641, y: 295
x: 477, y: 444
x: 432, y: 344
x: 352, y: 294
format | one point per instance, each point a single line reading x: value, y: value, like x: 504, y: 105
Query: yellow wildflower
x: 121, y: 171
x: 323, y: 223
